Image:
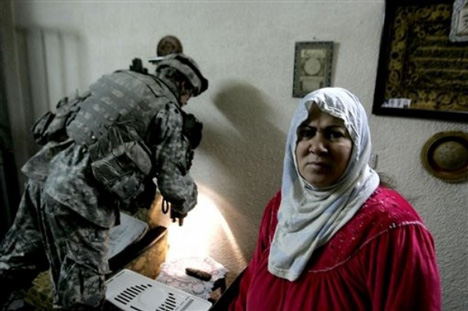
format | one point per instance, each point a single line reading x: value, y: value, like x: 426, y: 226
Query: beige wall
x: 246, y: 49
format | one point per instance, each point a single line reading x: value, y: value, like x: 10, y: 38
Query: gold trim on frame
x: 421, y: 72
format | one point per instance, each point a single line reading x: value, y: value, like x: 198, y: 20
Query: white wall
x: 246, y: 49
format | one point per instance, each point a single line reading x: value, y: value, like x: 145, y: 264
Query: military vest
x: 112, y: 122
x: 120, y: 97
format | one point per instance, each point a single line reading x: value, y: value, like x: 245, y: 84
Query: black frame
x: 382, y: 71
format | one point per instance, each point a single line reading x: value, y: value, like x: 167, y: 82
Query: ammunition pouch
x: 52, y: 126
x: 121, y: 163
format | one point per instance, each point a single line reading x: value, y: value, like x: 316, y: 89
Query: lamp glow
x: 205, y: 232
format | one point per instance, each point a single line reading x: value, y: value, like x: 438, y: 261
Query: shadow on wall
x: 250, y: 155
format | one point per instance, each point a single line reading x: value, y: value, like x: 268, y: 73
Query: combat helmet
x: 188, y: 67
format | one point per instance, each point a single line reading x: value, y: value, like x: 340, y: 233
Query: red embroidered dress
x: 383, y: 259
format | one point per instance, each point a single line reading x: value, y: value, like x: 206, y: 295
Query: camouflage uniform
x: 76, y: 186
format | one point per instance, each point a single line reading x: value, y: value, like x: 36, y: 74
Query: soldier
x: 102, y: 153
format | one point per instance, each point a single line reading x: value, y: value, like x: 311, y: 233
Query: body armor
x: 117, y: 98
x: 112, y: 123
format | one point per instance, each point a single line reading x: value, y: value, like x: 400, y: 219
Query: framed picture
x: 421, y: 71
x: 312, y: 66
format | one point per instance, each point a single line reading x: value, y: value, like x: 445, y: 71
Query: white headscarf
x: 308, y: 217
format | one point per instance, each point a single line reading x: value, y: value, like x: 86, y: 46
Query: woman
x: 334, y: 239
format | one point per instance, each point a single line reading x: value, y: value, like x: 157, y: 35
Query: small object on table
x: 199, y: 274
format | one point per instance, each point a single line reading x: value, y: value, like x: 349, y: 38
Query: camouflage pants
x: 47, y: 234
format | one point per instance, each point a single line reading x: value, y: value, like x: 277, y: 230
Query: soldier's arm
x: 171, y: 150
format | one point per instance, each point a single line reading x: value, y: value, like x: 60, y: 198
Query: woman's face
x: 323, y: 148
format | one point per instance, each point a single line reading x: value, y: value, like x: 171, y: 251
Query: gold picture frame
x: 312, y: 66
x: 421, y: 72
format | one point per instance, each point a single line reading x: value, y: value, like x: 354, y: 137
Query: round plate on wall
x: 445, y: 156
x: 169, y: 44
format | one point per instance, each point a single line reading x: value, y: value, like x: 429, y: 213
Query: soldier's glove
x: 177, y: 216
x: 174, y: 214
